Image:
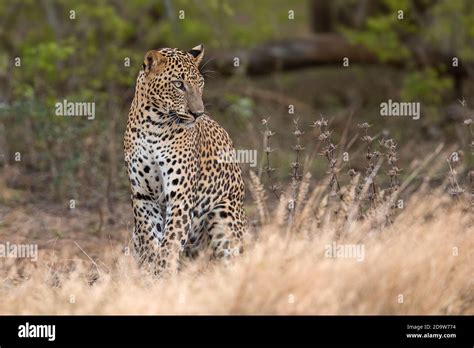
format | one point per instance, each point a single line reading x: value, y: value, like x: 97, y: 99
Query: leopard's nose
x: 196, y: 114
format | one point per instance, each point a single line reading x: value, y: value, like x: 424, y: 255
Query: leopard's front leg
x: 162, y: 254
x: 178, y: 197
x: 177, y: 224
x: 149, y: 222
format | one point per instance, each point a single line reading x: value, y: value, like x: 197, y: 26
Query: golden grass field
x: 425, y: 257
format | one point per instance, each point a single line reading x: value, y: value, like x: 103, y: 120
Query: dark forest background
x: 289, y: 53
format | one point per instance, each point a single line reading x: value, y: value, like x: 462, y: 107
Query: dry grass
x: 417, y: 256
x: 282, y: 273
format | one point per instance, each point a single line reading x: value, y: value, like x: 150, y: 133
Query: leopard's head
x: 173, y: 81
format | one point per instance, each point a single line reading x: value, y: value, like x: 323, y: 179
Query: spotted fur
x: 185, y: 198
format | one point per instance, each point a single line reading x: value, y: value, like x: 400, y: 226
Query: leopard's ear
x: 197, y: 53
x: 153, y: 61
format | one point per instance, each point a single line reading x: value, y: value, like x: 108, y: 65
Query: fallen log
x: 317, y: 50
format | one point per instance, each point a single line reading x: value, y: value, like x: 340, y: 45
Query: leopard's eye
x: 178, y: 84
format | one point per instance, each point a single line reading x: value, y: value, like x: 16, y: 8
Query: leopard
x: 187, y: 196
